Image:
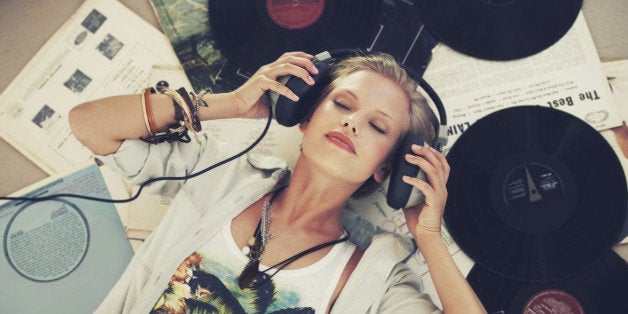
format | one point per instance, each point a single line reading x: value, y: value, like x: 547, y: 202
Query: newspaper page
x: 104, y: 49
x: 62, y: 255
x: 566, y: 76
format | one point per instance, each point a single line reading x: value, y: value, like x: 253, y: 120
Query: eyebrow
x: 352, y: 94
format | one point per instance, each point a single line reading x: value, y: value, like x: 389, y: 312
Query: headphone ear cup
x: 288, y: 112
x: 399, y: 193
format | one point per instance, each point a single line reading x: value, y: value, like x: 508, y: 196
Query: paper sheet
x: 104, y: 49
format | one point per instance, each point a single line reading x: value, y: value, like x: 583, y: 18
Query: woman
x: 205, y: 252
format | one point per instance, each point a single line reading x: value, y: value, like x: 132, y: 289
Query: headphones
x: 289, y: 113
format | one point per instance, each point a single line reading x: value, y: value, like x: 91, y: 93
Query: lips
x: 341, y: 141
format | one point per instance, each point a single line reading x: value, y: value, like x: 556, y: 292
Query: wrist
x: 219, y: 106
x: 425, y: 240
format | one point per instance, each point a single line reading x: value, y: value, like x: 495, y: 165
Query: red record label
x: 553, y: 301
x: 295, y: 14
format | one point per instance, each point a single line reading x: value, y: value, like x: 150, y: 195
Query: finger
x: 303, y: 62
x: 443, y: 162
x: 419, y: 184
x: 281, y: 89
x: 425, y: 152
x: 436, y: 162
x: 412, y: 215
x: 291, y: 69
x: 433, y: 198
x: 297, y: 54
x: 433, y: 175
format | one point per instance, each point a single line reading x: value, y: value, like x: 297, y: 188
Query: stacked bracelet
x: 195, y: 122
x: 180, y: 102
x: 186, y: 113
x: 174, y: 132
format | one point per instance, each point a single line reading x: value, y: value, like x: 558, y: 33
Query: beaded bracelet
x: 198, y: 99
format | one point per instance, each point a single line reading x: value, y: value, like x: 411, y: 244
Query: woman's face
x: 356, y: 125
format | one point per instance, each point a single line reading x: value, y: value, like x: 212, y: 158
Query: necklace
x: 257, y: 244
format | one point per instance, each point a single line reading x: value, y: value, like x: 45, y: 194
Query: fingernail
x: 310, y: 79
x: 415, y: 146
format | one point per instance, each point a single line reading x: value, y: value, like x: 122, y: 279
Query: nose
x: 350, y: 125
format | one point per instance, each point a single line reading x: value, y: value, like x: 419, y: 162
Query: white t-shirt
x: 207, y: 280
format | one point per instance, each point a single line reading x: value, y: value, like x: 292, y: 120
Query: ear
x: 382, y: 172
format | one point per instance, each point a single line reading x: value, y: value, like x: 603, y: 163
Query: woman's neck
x: 312, y: 199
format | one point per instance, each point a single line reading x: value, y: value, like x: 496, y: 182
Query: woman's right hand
x: 248, y: 97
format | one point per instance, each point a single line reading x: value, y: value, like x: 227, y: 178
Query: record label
x: 46, y: 241
x: 295, y: 14
x: 553, y: 301
x: 533, y: 193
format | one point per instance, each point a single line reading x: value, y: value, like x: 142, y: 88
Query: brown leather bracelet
x: 149, y: 111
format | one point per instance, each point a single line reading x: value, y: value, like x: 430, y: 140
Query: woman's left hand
x: 427, y: 218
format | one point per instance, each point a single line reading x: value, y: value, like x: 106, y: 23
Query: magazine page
x: 104, y: 49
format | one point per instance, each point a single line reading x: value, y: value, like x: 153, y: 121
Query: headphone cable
x: 151, y: 180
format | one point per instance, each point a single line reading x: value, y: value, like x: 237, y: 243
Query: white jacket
x: 381, y: 282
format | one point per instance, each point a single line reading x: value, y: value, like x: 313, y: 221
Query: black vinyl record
x: 256, y: 32
x: 602, y: 289
x: 498, y: 29
x: 535, y: 194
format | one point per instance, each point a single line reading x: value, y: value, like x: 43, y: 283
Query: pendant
x: 248, y: 275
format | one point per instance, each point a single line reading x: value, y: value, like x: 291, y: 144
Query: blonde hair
x: 422, y: 119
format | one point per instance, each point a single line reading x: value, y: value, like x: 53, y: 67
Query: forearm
x: 454, y: 292
x: 103, y: 124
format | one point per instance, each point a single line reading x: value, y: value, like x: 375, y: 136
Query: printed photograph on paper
x: 109, y: 46
x: 77, y: 82
x: 45, y: 117
x: 93, y: 21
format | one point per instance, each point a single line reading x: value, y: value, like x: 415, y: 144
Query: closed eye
x: 341, y: 105
x: 377, y: 128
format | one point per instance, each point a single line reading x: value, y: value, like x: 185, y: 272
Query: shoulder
x: 268, y: 163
